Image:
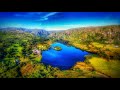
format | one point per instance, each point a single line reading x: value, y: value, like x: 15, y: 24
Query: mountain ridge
x: 38, y: 32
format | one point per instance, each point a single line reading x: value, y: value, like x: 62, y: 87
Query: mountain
x: 38, y: 32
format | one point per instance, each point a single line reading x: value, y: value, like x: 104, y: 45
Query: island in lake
x: 57, y: 48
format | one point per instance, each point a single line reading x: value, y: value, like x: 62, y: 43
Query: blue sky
x: 58, y: 20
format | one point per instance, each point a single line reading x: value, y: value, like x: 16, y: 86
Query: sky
x: 58, y: 20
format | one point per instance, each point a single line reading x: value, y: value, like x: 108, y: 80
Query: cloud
x: 46, y: 17
x: 39, y: 16
x: 50, y: 14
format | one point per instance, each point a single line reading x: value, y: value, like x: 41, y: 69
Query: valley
x: 22, y: 51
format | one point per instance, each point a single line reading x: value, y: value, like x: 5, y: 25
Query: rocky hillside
x: 101, y: 34
x: 38, y: 32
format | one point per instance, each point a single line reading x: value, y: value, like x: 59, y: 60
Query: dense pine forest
x: 21, y: 53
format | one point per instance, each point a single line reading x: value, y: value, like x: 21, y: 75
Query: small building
x: 37, y: 52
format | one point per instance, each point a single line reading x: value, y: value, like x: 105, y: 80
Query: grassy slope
x: 110, y: 68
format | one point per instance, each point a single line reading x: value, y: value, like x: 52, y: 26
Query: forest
x: 21, y: 53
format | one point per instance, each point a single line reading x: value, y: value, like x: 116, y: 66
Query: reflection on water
x: 63, y: 59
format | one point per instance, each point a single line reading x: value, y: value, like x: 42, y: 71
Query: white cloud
x: 47, y: 16
x: 50, y: 14
x: 43, y: 15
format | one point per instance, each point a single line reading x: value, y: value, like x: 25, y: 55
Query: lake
x: 63, y: 59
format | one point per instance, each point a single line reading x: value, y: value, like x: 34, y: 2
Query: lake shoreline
x: 65, y: 56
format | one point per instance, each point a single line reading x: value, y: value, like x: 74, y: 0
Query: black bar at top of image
x: 59, y: 5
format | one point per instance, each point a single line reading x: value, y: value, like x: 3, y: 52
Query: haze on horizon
x: 58, y: 20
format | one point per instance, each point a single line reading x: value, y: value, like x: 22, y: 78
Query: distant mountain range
x: 38, y: 32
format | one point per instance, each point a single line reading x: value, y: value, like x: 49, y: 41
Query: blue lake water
x: 64, y: 59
